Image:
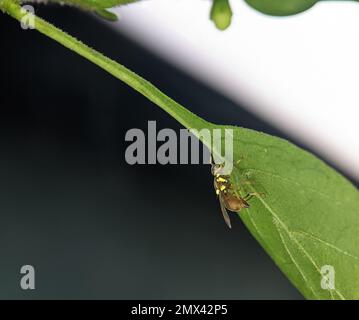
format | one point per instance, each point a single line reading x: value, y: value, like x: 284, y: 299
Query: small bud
x: 221, y: 14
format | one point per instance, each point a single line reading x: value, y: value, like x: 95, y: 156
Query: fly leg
x: 250, y: 195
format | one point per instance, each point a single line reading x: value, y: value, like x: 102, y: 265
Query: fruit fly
x: 227, y: 197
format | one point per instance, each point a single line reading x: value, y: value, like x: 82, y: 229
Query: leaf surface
x: 306, y: 217
x: 281, y: 7
x: 98, y: 6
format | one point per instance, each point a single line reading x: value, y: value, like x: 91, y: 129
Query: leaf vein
x: 315, y: 238
x: 292, y: 257
x: 285, y: 228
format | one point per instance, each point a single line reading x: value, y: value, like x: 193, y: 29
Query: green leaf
x: 281, y: 7
x: 306, y: 215
x: 104, y: 4
x: 284, y: 7
x: 221, y: 14
x: 98, y: 6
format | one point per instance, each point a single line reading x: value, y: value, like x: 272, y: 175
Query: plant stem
x: 177, y: 111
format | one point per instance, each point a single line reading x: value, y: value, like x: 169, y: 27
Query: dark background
x: 93, y: 226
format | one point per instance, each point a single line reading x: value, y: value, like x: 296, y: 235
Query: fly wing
x: 225, y: 213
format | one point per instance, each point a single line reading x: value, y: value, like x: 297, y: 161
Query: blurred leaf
x: 281, y: 7
x: 221, y: 14
x: 98, y: 6
x: 104, y: 4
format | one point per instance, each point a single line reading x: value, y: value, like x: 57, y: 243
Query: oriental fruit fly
x: 227, y: 196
